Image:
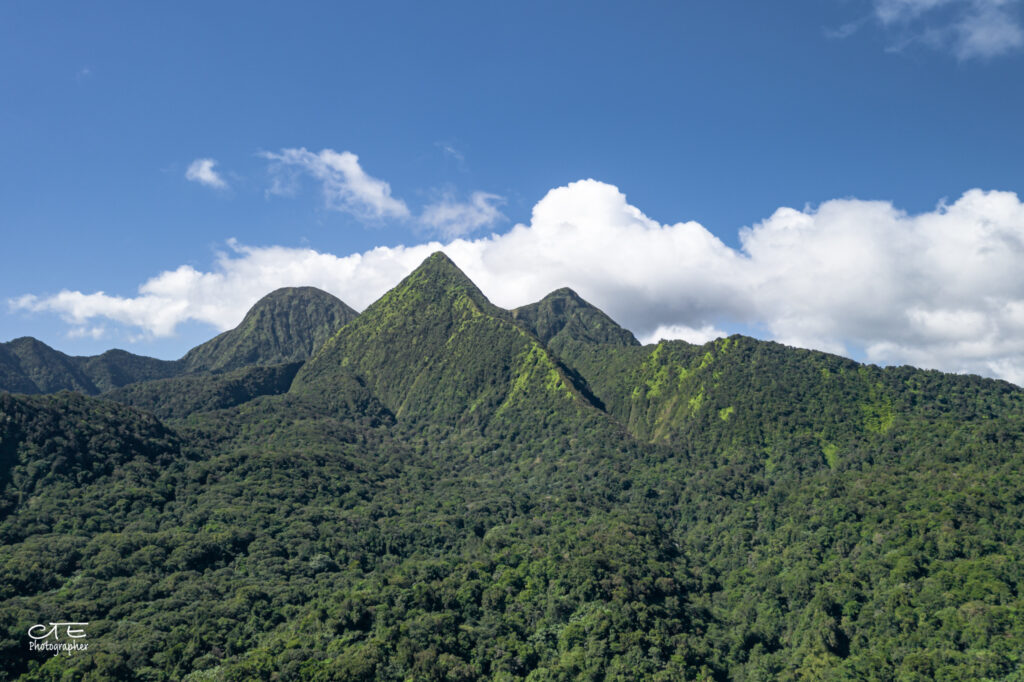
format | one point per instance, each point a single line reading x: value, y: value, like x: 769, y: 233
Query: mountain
x: 563, y: 316
x: 452, y: 491
x: 13, y: 376
x: 286, y: 325
x: 178, y: 397
x: 435, y: 349
x: 28, y: 365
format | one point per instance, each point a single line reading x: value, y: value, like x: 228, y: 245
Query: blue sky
x: 335, y: 128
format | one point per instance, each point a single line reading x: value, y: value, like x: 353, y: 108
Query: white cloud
x: 970, y: 28
x: 988, y: 33
x: 201, y: 171
x: 238, y: 279
x: 940, y: 289
x: 346, y: 186
x: 670, y: 332
x: 451, y: 218
x: 95, y: 333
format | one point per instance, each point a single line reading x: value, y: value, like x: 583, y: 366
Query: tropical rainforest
x: 440, y: 489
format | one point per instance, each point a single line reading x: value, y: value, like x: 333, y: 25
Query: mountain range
x: 440, y: 489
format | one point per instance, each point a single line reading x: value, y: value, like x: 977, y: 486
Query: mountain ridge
x: 432, y: 324
x: 287, y: 325
x: 434, y: 497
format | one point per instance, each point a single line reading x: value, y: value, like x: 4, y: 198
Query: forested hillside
x: 446, y: 490
x: 28, y: 365
x: 285, y: 326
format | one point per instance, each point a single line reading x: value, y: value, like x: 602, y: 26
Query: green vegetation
x: 181, y: 396
x: 286, y: 325
x: 450, y: 491
x: 30, y: 366
x: 563, y: 316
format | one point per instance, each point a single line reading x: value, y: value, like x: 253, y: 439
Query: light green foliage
x: 696, y: 401
x: 878, y: 411
x: 831, y: 452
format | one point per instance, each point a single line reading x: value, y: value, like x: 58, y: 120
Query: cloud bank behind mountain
x: 940, y: 289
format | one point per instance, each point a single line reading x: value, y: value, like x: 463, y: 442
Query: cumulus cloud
x: 970, y: 28
x: 201, y: 171
x: 346, y: 186
x: 239, y: 277
x: 451, y: 218
x: 939, y: 289
x: 670, y: 332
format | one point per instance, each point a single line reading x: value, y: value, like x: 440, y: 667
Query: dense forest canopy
x: 440, y: 489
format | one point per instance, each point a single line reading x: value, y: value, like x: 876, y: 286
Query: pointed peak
x: 289, y: 301
x: 564, y: 313
x: 563, y: 293
x: 297, y: 291
x: 438, y: 264
x: 27, y: 342
x: 438, y: 278
x: 439, y: 257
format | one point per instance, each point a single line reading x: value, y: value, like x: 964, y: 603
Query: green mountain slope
x: 12, y: 377
x: 116, y: 368
x: 51, y: 445
x: 286, y: 325
x: 43, y: 369
x: 434, y: 349
x: 563, y: 316
x: 28, y: 365
x: 179, y: 397
x: 436, y: 497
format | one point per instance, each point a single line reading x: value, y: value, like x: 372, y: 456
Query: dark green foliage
x: 563, y: 316
x: 30, y: 366
x: 118, y: 368
x: 287, y: 325
x: 12, y: 376
x: 435, y: 350
x: 51, y: 445
x: 443, y: 496
x: 181, y: 396
x: 33, y: 367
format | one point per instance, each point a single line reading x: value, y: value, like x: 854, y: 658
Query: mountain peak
x: 286, y: 325
x: 438, y: 273
x: 563, y: 292
x: 435, y: 348
x: 436, y: 286
x: 440, y: 258
x: 564, y: 315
